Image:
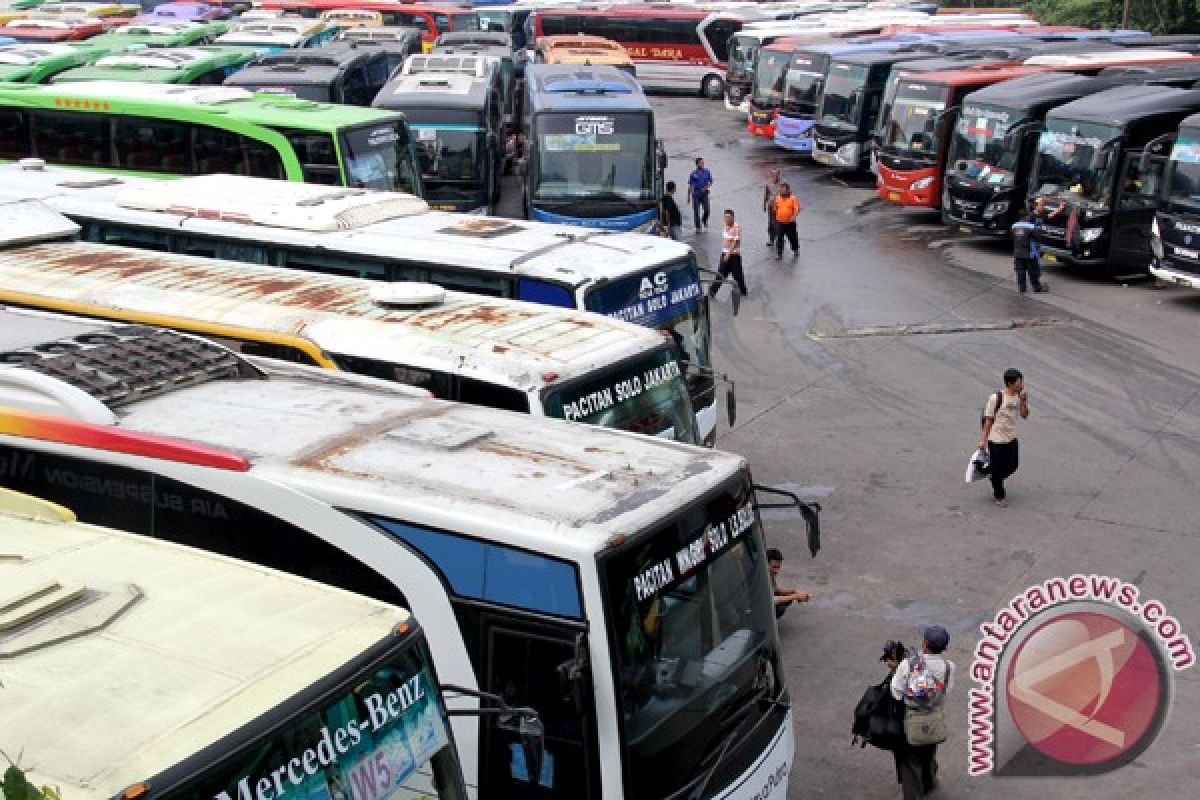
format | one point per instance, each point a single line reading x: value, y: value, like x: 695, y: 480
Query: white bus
x: 141, y: 668
x: 615, y: 584
x: 645, y: 280
x: 480, y: 350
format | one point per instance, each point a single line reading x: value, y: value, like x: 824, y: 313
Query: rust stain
x: 534, y: 456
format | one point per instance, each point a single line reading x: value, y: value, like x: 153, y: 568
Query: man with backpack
x: 921, y: 682
x: 1026, y: 250
x: 1000, y: 415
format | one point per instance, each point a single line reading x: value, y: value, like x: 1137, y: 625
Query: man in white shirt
x: 917, y: 764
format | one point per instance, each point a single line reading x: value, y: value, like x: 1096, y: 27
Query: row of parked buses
x: 593, y: 598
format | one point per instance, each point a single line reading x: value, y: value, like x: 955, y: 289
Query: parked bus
x: 396, y: 44
x: 1099, y: 170
x: 339, y: 73
x: 186, y: 12
x: 273, y: 35
x: 995, y: 140
x: 190, y: 130
x: 187, y: 674
x: 591, y: 154
x: 1175, y: 234
x: 674, y: 47
x: 615, y: 584
x: 484, y: 351
x: 108, y: 13
x: 430, y: 19
x: 38, y: 63
x: 849, y: 106
x: 37, y: 30
x: 649, y: 281
x: 585, y: 50
x: 197, y: 66
x: 491, y: 45
x: 352, y: 18
x: 457, y: 124
x: 160, y: 34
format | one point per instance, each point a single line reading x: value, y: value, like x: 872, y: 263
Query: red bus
x: 911, y: 155
x: 674, y: 47
x: 430, y: 19
x: 44, y: 30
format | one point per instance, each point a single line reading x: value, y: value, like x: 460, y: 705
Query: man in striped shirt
x: 731, y: 256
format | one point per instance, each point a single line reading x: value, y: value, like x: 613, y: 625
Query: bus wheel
x: 712, y: 87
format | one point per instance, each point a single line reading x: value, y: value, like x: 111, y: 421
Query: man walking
x: 917, y: 763
x: 770, y: 192
x: 699, y: 186
x: 731, y: 256
x: 1000, y: 431
x: 1026, y: 251
x: 670, y: 215
x: 785, y: 210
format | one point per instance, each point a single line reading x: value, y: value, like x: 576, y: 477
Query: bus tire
x: 712, y: 87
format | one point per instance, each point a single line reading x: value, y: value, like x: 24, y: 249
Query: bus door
x: 1138, y: 185
x: 542, y: 665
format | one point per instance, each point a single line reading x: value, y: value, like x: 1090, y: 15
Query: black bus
x: 1175, y: 237
x: 340, y: 72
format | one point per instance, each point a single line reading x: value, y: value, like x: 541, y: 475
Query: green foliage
x: 1156, y: 16
x: 16, y: 786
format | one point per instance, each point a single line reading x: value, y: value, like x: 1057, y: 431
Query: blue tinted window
x: 548, y: 294
x: 495, y: 573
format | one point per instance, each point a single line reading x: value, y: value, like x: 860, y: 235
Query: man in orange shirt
x: 786, y: 208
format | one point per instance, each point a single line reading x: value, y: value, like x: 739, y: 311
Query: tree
x: 1156, y: 16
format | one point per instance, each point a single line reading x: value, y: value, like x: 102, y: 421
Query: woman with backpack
x: 922, y: 681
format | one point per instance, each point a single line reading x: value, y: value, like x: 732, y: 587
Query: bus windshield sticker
x: 382, y: 136
x: 365, y: 757
x: 715, y: 539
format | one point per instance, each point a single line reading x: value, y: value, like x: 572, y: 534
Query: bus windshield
x: 449, y: 149
x: 769, y: 78
x: 978, y: 151
x: 603, y: 155
x: 912, y: 124
x: 378, y: 156
x: 1183, y: 173
x: 1076, y: 158
x: 803, y: 90
x: 670, y: 299
x: 645, y: 395
x: 388, y: 721
x: 742, y: 50
x: 693, y: 626
x: 841, y: 104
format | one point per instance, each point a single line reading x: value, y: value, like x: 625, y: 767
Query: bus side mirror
x: 731, y: 402
x: 662, y: 153
x: 573, y: 675
x: 531, y: 732
x: 1160, y: 145
x: 811, y: 512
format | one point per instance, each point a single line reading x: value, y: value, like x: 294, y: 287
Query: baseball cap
x: 936, y: 636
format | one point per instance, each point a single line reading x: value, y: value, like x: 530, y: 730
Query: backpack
x: 983, y: 411
x: 879, y: 719
x: 922, y: 688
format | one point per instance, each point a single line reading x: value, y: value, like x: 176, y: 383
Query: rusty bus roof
x: 562, y: 487
x: 506, y: 342
x: 562, y: 253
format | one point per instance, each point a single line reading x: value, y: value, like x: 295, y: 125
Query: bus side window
x: 475, y: 284
x: 436, y: 383
x: 355, y: 91
x: 14, y: 134
x: 279, y: 352
x: 482, y: 393
x: 332, y: 264
x: 262, y: 161
x: 150, y: 145
x: 317, y: 156
x: 153, y: 505
x: 133, y: 237
x: 214, y: 77
x: 215, y: 248
x: 548, y: 294
x: 83, y: 139
x: 216, y: 150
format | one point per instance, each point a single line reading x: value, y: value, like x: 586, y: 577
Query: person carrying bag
x: 921, y: 682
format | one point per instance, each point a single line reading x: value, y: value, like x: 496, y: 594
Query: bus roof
x: 1124, y: 104
x: 1086, y: 59
x: 155, y: 64
x: 1041, y: 91
x: 520, y: 345
x: 23, y: 55
x: 972, y: 75
x: 141, y: 620
x: 569, y: 87
x: 138, y: 98
x: 434, y: 90
x: 544, y: 484
x: 653, y: 11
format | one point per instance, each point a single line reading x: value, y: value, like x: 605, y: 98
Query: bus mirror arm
x: 573, y: 674
x: 718, y: 280
x: 1015, y: 135
x: 811, y: 512
x: 730, y: 391
x: 1152, y: 148
x: 661, y: 150
x: 521, y: 720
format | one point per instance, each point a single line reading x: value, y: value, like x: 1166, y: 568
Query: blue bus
x: 590, y: 157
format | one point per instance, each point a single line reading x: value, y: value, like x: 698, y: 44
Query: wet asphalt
x: 861, y: 367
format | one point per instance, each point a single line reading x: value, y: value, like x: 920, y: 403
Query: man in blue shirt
x: 1025, y: 249
x: 699, y: 185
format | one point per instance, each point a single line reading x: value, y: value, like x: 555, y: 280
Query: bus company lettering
x: 599, y: 126
x: 382, y: 710
x: 594, y: 402
x: 655, y: 296
x: 985, y: 113
x: 715, y: 538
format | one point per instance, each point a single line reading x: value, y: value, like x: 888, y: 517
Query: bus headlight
x: 996, y: 208
x: 921, y: 183
x: 1090, y: 234
x: 1156, y: 245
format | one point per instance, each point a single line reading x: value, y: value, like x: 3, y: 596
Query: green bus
x: 38, y: 63
x: 170, y: 131
x: 162, y: 34
x: 188, y: 65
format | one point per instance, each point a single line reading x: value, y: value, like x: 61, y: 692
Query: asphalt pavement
x: 861, y: 368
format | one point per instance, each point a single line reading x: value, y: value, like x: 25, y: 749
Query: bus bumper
x: 1061, y: 255
x: 909, y: 189
x: 794, y: 135
x: 845, y: 157
x: 629, y: 222
x: 1189, y: 280
x: 767, y: 778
